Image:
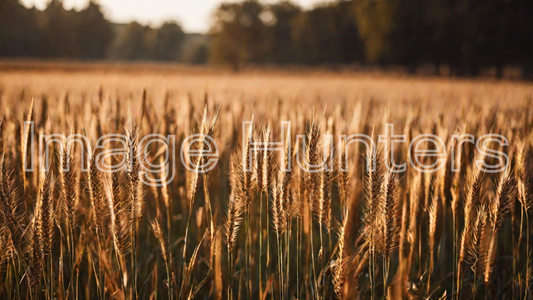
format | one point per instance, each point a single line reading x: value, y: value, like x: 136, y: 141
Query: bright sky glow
x: 193, y: 15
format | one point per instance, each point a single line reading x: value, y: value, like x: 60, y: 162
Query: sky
x: 193, y: 15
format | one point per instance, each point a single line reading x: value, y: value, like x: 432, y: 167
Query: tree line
x: 68, y: 34
x: 463, y: 36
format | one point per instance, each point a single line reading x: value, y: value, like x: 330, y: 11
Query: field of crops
x: 205, y: 210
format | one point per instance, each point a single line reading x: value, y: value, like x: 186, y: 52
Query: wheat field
x: 248, y: 228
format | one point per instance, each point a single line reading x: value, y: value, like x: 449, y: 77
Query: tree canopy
x: 86, y: 34
x: 464, y: 35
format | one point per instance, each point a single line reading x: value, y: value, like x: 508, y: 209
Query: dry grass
x: 264, y: 234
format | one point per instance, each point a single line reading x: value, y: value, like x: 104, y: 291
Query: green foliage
x: 239, y: 34
x: 96, y: 33
x: 54, y: 32
x: 249, y: 32
x: 168, y: 42
x: 464, y: 35
x: 131, y: 43
x: 86, y: 34
x: 19, y: 34
x: 197, y: 53
x: 374, y: 19
x: 328, y: 34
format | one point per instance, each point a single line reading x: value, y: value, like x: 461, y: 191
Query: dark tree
x: 167, y: 42
x: 19, y: 34
x: 93, y: 33
x: 238, y: 36
x: 279, y: 19
x: 130, y: 44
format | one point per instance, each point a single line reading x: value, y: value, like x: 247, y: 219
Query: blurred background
x: 439, y: 37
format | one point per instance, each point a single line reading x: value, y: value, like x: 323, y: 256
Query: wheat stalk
x: 25, y: 145
x: 373, y: 200
x: 472, y: 201
x: 498, y: 210
x: 476, y: 251
x: 339, y: 265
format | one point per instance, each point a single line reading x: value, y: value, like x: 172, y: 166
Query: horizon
x: 194, y: 16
